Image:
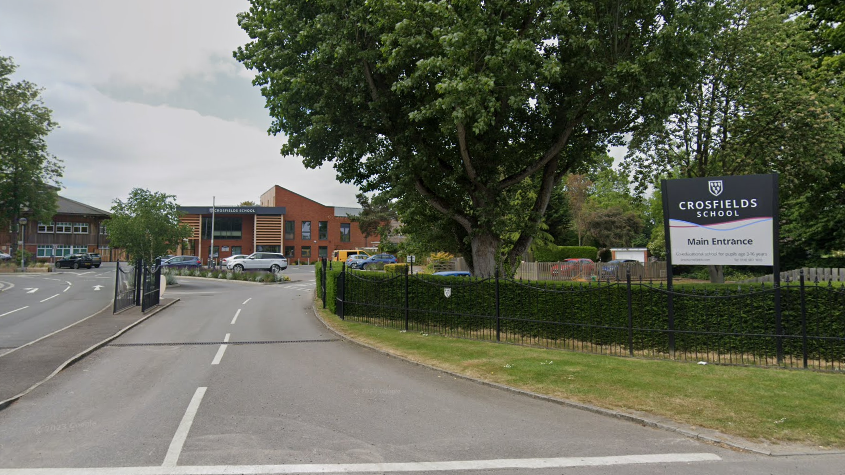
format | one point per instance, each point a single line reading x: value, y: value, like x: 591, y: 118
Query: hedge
x: 560, y: 253
x: 709, y: 319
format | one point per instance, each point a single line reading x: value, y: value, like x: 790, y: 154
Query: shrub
x: 395, y: 268
x: 560, y: 253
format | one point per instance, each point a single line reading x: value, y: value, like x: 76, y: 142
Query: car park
x: 269, y: 261
x: 96, y: 259
x: 354, y: 262
x: 378, y: 259
x: 180, y: 262
x: 75, y: 261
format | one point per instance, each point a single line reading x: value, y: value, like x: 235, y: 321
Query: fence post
x: 139, y: 283
x: 803, y: 318
x: 407, y: 307
x: 324, y: 280
x: 630, y: 313
x: 498, y: 309
x: 116, y: 285
x: 157, y: 283
x: 778, y: 319
x: 342, y: 284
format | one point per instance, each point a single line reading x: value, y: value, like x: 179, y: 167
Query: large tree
x: 146, y: 225
x: 462, y: 102
x: 29, y: 174
x: 761, y: 106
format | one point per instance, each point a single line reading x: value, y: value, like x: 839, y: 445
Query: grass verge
x: 762, y: 405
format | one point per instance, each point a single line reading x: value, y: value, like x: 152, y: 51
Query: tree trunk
x: 484, y: 248
x: 717, y: 274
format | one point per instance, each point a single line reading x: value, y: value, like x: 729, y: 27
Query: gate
x: 137, y: 285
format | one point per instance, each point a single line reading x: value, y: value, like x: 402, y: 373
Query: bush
x: 561, y: 253
x: 395, y: 268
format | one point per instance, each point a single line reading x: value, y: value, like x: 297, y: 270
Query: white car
x: 270, y: 261
x: 232, y: 258
x: 4, y: 256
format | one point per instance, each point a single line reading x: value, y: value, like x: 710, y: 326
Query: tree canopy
x: 146, y: 225
x: 29, y: 174
x: 467, y: 108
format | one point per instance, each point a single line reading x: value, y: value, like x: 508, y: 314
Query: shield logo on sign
x: 447, y: 292
x: 715, y: 187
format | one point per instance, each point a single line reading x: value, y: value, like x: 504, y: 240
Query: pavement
x: 28, y: 366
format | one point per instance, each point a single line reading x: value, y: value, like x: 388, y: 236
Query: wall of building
x: 53, y: 241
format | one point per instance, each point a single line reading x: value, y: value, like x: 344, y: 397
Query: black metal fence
x: 796, y: 325
x: 137, y: 285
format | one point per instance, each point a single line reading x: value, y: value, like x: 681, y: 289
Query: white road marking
x: 13, y: 311
x: 48, y: 298
x: 9, y: 284
x: 247, y: 300
x: 236, y: 316
x: 448, y: 466
x: 66, y: 289
x: 98, y: 287
x: 31, y: 290
x: 48, y: 278
x: 219, y: 355
x: 181, y: 434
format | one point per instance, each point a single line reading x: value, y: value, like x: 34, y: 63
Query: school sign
x: 728, y: 220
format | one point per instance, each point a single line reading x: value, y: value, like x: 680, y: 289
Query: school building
x: 284, y: 221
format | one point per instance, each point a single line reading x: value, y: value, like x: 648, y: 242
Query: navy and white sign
x: 726, y: 220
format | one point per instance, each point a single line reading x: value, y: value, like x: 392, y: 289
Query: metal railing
x: 796, y: 325
x: 137, y: 285
x: 125, y: 282
x: 152, y: 286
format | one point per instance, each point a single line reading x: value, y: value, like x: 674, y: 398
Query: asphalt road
x: 242, y: 378
x: 35, y: 305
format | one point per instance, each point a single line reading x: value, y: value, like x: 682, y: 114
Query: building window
x: 306, y: 251
x: 79, y: 250
x: 236, y: 250
x: 306, y: 230
x: 103, y: 231
x: 290, y: 229
x: 46, y: 228
x: 323, y: 252
x: 216, y: 252
x: 224, y: 227
x: 44, y: 251
x: 64, y: 228
x: 80, y: 228
x: 63, y: 250
x: 290, y: 251
x: 267, y: 249
x: 323, y: 229
x: 345, y: 232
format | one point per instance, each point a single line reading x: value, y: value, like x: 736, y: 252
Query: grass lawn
x: 780, y: 406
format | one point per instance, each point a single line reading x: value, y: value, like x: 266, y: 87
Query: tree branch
x: 462, y: 144
x: 440, y: 205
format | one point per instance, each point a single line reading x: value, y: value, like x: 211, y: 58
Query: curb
x: 76, y: 358
x: 711, y: 437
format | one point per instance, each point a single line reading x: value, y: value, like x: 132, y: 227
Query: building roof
x: 69, y: 206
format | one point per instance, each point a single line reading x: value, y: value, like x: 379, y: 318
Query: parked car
x: 5, y: 257
x: 179, y: 262
x: 75, y: 261
x: 378, y: 258
x: 454, y: 273
x: 232, y: 258
x: 97, y: 259
x: 611, y: 266
x: 355, y: 261
x: 574, y: 265
x: 271, y: 261
x: 166, y: 257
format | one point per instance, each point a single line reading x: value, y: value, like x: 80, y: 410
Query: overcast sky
x: 147, y: 95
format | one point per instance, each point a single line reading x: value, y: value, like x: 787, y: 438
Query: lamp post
x: 22, y: 222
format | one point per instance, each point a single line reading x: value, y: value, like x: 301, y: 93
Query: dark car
x: 377, y: 259
x: 179, y: 262
x: 75, y: 261
x: 97, y: 259
x: 453, y: 273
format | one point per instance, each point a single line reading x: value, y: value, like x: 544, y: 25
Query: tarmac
x: 25, y: 368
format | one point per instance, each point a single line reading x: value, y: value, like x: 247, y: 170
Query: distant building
x: 75, y: 228
x: 303, y: 229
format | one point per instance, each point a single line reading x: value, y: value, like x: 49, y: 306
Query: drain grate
x: 193, y: 343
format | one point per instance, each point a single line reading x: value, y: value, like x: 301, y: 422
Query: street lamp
x: 22, y: 222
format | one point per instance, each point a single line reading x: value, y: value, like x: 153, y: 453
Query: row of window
x: 305, y: 252
x: 66, y: 228
x: 322, y: 231
x: 60, y: 249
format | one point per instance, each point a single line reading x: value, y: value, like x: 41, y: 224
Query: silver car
x: 355, y: 261
x: 270, y: 261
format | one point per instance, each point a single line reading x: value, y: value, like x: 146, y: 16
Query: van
x: 342, y: 255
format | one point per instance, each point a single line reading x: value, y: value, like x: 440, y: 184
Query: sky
x: 147, y: 95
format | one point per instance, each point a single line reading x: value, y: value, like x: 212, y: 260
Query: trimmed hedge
x: 737, y: 323
x: 560, y: 253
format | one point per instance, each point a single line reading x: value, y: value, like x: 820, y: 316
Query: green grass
x: 780, y: 406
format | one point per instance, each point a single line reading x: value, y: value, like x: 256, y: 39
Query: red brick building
x: 284, y: 221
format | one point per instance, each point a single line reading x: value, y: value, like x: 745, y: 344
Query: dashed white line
x: 236, y: 316
x: 181, y: 435
x: 48, y: 298
x: 247, y: 300
x: 445, y: 466
x: 219, y: 355
x: 13, y: 311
